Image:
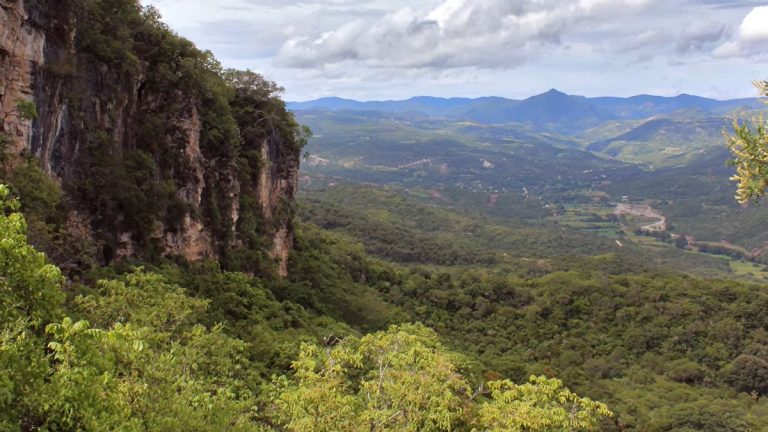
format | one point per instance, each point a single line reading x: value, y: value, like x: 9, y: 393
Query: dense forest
x: 663, y: 351
x: 137, y: 351
x: 392, y: 312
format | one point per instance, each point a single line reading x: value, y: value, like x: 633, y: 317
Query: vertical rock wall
x: 77, y: 96
x: 21, y: 53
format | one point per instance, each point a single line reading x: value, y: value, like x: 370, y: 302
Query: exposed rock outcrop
x: 92, y: 110
x: 278, y: 183
x: 21, y: 53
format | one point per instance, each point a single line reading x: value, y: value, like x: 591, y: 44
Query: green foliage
x: 334, y: 277
x: 106, y: 30
x: 75, y: 396
x: 47, y: 223
x: 145, y: 300
x: 395, y: 380
x: 541, y: 405
x: 30, y: 296
x: 403, y: 379
x: 748, y: 373
x: 589, y: 328
x: 124, y: 194
x: 666, y: 406
x: 143, y: 182
x: 399, y: 227
x: 27, y: 110
x: 603, y: 324
x: 152, y: 370
x: 130, y: 378
x: 139, y: 358
x: 23, y: 369
x: 29, y: 286
x: 272, y: 329
x: 171, y: 373
x: 40, y: 196
x: 261, y: 113
x: 749, y: 146
x: 457, y: 229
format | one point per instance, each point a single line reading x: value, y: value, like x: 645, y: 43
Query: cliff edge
x: 160, y: 152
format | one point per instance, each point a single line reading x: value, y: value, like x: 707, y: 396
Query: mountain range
x: 551, y: 111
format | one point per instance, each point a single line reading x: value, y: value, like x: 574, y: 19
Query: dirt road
x: 644, y: 211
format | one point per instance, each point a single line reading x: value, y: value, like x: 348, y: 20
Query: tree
x: 260, y: 111
x: 748, y: 373
x: 30, y: 287
x: 398, y: 380
x: 540, y: 405
x: 30, y: 297
x: 146, y: 365
x: 403, y: 379
x: 749, y: 145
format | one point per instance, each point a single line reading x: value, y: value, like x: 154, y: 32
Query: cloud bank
x: 456, y: 33
x: 400, y: 48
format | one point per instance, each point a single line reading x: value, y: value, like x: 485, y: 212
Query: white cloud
x: 755, y: 25
x: 445, y: 11
x: 400, y: 48
x: 455, y: 33
x: 751, y: 38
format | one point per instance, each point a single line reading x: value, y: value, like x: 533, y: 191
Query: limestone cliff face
x: 21, y: 52
x: 90, y: 110
x: 193, y: 240
x: 277, y: 185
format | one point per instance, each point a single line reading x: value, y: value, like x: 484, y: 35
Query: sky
x: 396, y: 49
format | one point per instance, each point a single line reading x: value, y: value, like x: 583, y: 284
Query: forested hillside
x: 158, y: 149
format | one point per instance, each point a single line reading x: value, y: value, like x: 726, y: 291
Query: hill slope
x: 366, y: 148
x: 554, y: 105
x: 665, y: 141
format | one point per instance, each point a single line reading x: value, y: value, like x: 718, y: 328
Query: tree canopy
x: 131, y: 353
x: 403, y: 379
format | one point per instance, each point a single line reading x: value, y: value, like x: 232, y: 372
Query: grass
x: 748, y: 269
x: 609, y: 232
x: 581, y: 217
x: 577, y: 216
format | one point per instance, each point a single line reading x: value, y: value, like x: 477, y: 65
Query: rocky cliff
x: 159, y: 150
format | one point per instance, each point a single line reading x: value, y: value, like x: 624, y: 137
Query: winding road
x: 644, y: 211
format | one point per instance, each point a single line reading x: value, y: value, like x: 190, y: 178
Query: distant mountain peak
x: 552, y: 110
x: 552, y: 96
x: 554, y: 91
x: 690, y: 96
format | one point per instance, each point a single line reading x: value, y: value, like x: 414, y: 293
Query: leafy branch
x: 749, y: 145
